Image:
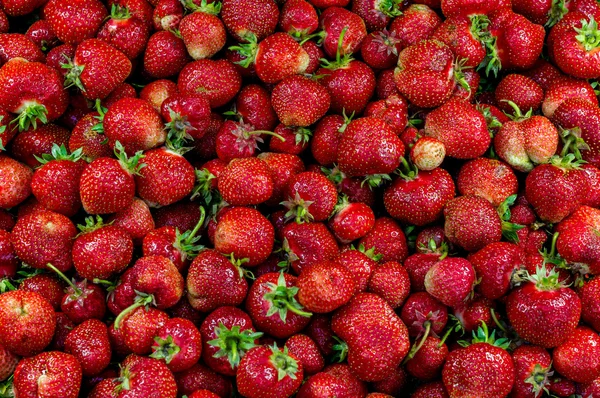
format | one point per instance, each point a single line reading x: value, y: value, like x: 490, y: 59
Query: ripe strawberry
x: 299, y: 101
x: 139, y: 327
x: 543, y: 311
x: 15, y: 182
x: 324, y: 287
x: 8, y: 363
x: 20, y: 7
x: 572, y: 46
x: 167, y: 14
x: 415, y: 24
x: 520, y: 90
x: 283, y: 167
x: 419, y: 197
x: 75, y: 21
x: 186, y: 115
x: 218, y: 80
x: 272, y: 305
x: 578, y: 239
x: 124, y: 32
x: 140, y: 9
x: 89, y: 343
x: 246, y: 181
x: 532, y: 371
x: 367, y: 324
x: 27, y: 322
x: 157, y: 91
x: 307, y: 244
x: 421, y: 311
x: 307, y: 351
x: 165, y: 55
x: 335, y: 381
x: 427, y: 361
x: 343, y: 30
x: 393, y: 110
x: 361, y: 263
x: 460, y: 127
x: 590, y: 303
x: 200, y: 377
x: 48, y: 373
x: 33, y: 91
x: 578, y: 357
x: 390, y: 281
x: 253, y: 105
x: 213, y: 280
x: 17, y: 45
x: 135, y: 124
x: 568, y: 188
x: 387, y: 239
x: 484, y: 223
x: 179, y: 343
x: 255, y: 376
x: 138, y: 377
x: 462, y: 370
x: 40, y: 32
x: 311, y: 197
x: 434, y: 389
x: 38, y: 141
x: 298, y: 18
x: 246, y: 234
x: 88, y: 134
x: 107, y: 185
x: 135, y: 219
x: 564, y: 88
x: 460, y: 34
x: 8, y: 258
x: 293, y: 141
x: 202, y: 31
x: 488, y: 178
x: 455, y: 269
x: 244, y: 19
x: 47, y: 286
x: 351, y: 221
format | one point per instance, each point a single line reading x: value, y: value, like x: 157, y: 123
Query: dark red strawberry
x: 461, y: 35
x: 390, y: 281
x: 135, y: 219
x: 299, y: 101
x: 343, y: 30
x: 200, y: 377
x: 520, y: 90
x: 8, y: 258
x: 247, y: 18
x: 186, y: 115
x: 532, y: 371
x: 578, y: 239
x: 52, y: 372
x: 15, y: 45
x: 218, y: 80
x: 393, y: 110
x: 580, y: 118
x: 74, y: 21
x: 165, y: 55
x: 89, y: 343
x: 179, y: 343
x: 451, y: 281
x: 307, y: 244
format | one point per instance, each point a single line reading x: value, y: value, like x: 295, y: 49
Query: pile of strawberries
x: 309, y: 198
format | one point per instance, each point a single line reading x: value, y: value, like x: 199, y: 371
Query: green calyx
x: 551, y: 256
x: 60, y: 153
x: 167, y: 349
x: 99, y: 127
x: 73, y: 75
x: 204, y: 187
x: 517, y: 115
x: 205, y: 7
x: 491, y: 121
x: 142, y: 300
x: 7, y: 389
x: 187, y: 243
x: 283, y: 299
x: 303, y: 135
x: 545, y: 280
x: 238, y: 263
x: 91, y: 224
x: 298, y: 209
x: 432, y: 248
x: 539, y: 379
x: 178, y: 133
x: 509, y: 229
x: 340, y: 350
x: 588, y: 35
x: 123, y: 381
x: 233, y: 343
x: 375, y: 180
x: 368, y: 252
x: 334, y: 174
x: 246, y: 50
x: 285, y: 365
x: 573, y: 143
x: 567, y: 162
x: 119, y: 12
x: 341, y: 61
x: 407, y: 170
x: 131, y: 164
x: 6, y: 285
x: 288, y: 255
x: 459, y: 75
x: 390, y: 8
x: 480, y: 30
x: 30, y: 116
x: 482, y: 335
x: 556, y: 13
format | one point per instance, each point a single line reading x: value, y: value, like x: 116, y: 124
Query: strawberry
x: 218, y: 80
x: 434, y: 389
x: 165, y: 55
x: 572, y: 45
x: 307, y: 351
x: 89, y: 343
x: 47, y: 286
x: 38, y: 141
x: 421, y: 311
x: 125, y: 32
x: 543, y: 300
x: 578, y: 357
x: 8, y: 363
x: 246, y: 181
x: 460, y: 127
x: 351, y: 221
x: 41, y: 33
x: 16, y: 45
x: 140, y: 9
x: 374, y: 324
x: 51, y: 234
x: 519, y: 89
x: 227, y: 334
x: 452, y: 8
x: 244, y: 19
x: 107, y: 185
x: 200, y: 377
x: 179, y: 343
x: 135, y: 219
x: 255, y: 376
x: 335, y: 380
x: 282, y: 167
x: 88, y: 134
x: 27, y: 322
x: 387, y: 239
x: 298, y: 18
x: 427, y: 361
x: 50, y: 373
x: 8, y: 258
x: 75, y: 21
x: 246, y: 234
x: 21, y: 7
x: 293, y: 141
x: 101, y: 250
x: 272, y: 305
x: 361, y: 263
x: 568, y: 188
x: 487, y: 178
x: 578, y: 239
x: 393, y: 110
x: 564, y: 88
x: 415, y: 24
x: 419, y: 197
x: 213, y: 280
x: 311, y: 197
x: 33, y: 91
x: 455, y: 269
x: 202, y: 31
x: 253, y: 105
x: 15, y: 181
x: 343, y: 30
x: 139, y: 327
x: 435, y: 79
x: 138, y: 377
x: 390, y: 281
x: 590, y: 303
x: 485, y: 225
x: 486, y: 353
x: 307, y: 244
x: 238, y: 140
x: 167, y: 14
x: 532, y: 371
x: 460, y: 34
x: 299, y: 101
x: 135, y: 124
x: 186, y: 115
x: 157, y: 91
x: 324, y: 287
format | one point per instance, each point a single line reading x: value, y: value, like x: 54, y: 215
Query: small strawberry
x: 200, y: 377
x: 299, y: 101
x: 351, y: 221
x: 48, y: 373
x: 520, y: 90
x: 307, y: 351
x: 218, y: 80
x: 15, y: 182
x: 186, y: 115
x: 47, y: 286
x: 532, y: 371
x: 202, y: 31
x: 343, y: 30
x: 89, y: 343
x: 124, y: 32
x: 324, y: 287
x: 167, y: 14
x: 179, y: 343
x: 387, y: 239
x: 253, y: 105
x: 75, y: 21
x: 455, y: 269
x: 246, y: 181
x: 298, y: 18
x: 165, y: 55
x: 461, y: 35
x: 135, y: 219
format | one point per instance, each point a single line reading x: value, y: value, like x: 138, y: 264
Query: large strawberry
x: 247, y: 18
x: 343, y: 31
x: 543, y: 311
x: 165, y: 55
x: 73, y: 21
x: 89, y: 343
x: 50, y: 373
x: 246, y: 181
x: 202, y: 31
x: 491, y: 179
x: 451, y: 281
x: 578, y: 358
x: 218, y: 80
x: 578, y: 240
x: 532, y: 371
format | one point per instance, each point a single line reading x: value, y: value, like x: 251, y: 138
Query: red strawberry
x: 73, y: 21
x: 213, y: 280
x: 38, y: 141
x: 426, y: 362
x: 17, y: 45
x: 543, y: 300
x: 135, y: 124
x: 450, y: 281
x: 422, y: 311
x: 361, y: 263
x: 125, y: 32
x: 253, y: 104
x: 27, y: 322
x: 460, y: 127
x: 246, y: 181
x: 324, y: 287
x: 48, y: 373
x: 47, y: 286
x: 202, y: 31
x: 462, y: 370
x: 218, y: 80
x: 311, y: 197
x: 283, y: 167
x: 307, y: 351
x: 89, y: 343
x: 590, y: 303
x: 186, y: 115
x: 532, y: 371
x: 107, y: 185
x: 578, y: 240
x: 88, y: 134
x: 20, y: 7
x: 298, y: 18
x: 299, y: 101
x: 135, y: 219
x: 461, y: 35
x: 272, y: 305
x: 165, y: 55
x: 488, y: 178
x: 167, y: 14
x: 343, y: 30
x: 387, y: 239
x: 307, y: 244
x: 380, y: 49
x: 578, y: 357
x: 520, y: 90
x: 564, y: 88
x: 178, y: 343
x: 256, y: 373
x: 200, y: 377
x: 139, y: 327
x: 415, y: 24
x: 351, y: 221
x: 8, y: 363
x: 33, y: 91
x: 472, y: 222
x: 15, y: 181
x: 367, y: 324
x: 393, y: 110
x: 250, y: 17
x: 157, y: 91
x: 140, y: 9
x: 390, y: 281
x: 434, y: 389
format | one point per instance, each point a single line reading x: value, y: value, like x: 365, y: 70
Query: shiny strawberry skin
x: 299, y: 101
x: 243, y: 18
x: 578, y: 239
x: 246, y: 181
x: 218, y: 80
x: 488, y: 178
x: 186, y: 337
x: 325, y: 287
x: 50, y: 372
x: 388, y: 239
x: 350, y: 86
x: 75, y: 21
x: 529, y: 359
x: 279, y: 56
x: 578, y: 358
x: 308, y: 243
x: 451, y: 280
x: 89, y: 343
x: 128, y: 35
x: 15, y: 181
x: 56, y: 185
x: 165, y: 55
x: 306, y: 350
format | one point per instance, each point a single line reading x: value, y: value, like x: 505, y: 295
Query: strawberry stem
x: 283, y: 363
x: 246, y: 50
x: 283, y: 299
x: 30, y: 115
x: 557, y: 12
x: 256, y: 132
x: 233, y: 343
x: 166, y: 349
x: 142, y: 300
x: 418, y: 346
x: 59, y: 153
x: 77, y: 290
x: 131, y: 164
x: 186, y: 242
x: 588, y: 35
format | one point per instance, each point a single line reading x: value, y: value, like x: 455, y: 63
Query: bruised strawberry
x: 488, y: 178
